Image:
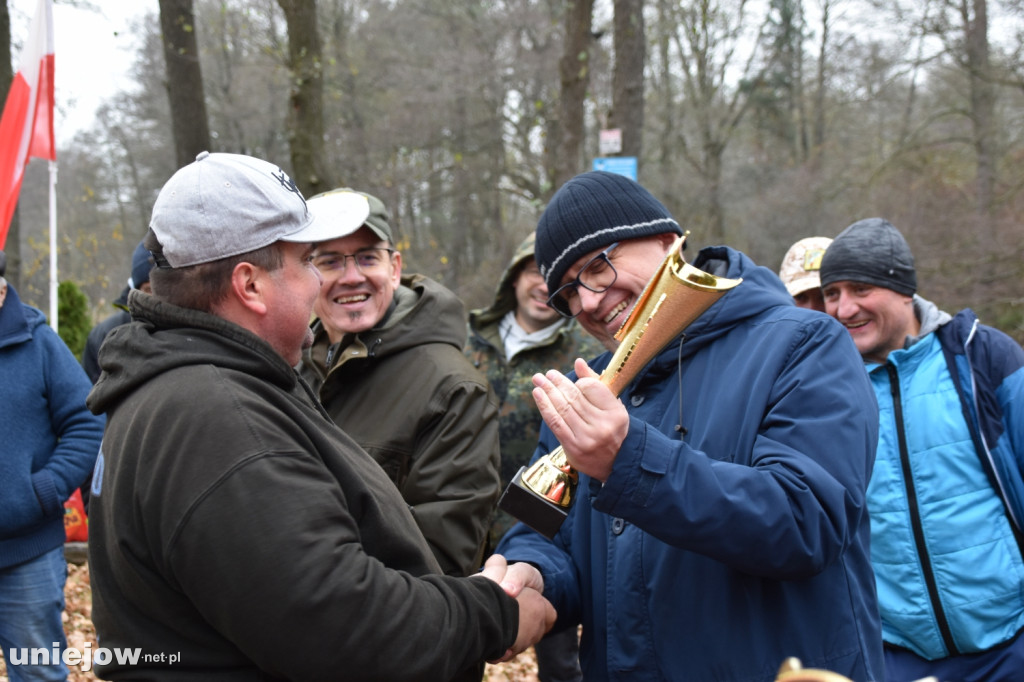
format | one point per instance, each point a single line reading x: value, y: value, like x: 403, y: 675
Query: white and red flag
x: 26, y: 128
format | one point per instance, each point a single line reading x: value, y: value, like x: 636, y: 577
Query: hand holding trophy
x: 541, y: 495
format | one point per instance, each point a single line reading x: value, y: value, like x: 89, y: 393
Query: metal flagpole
x: 53, y: 245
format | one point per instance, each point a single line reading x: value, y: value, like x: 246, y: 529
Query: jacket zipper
x: 915, y: 516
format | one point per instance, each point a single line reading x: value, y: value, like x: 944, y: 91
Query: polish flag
x: 26, y: 129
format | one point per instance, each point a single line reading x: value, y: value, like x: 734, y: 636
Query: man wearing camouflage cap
x: 799, y: 272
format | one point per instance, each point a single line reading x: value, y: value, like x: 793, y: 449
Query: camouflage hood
x: 504, y: 294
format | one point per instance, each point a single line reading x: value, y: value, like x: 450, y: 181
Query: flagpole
x: 53, y: 245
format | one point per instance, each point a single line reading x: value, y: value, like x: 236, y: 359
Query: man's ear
x: 248, y: 284
x: 397, y: 262
x: 667, y: 239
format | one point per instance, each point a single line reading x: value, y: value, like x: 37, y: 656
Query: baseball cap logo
x: 812, y: 259
x: 288, y: 183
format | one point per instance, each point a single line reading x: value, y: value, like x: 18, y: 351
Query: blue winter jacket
x: 50, y: 438
x: 719, y: 548
x: 946, y: 491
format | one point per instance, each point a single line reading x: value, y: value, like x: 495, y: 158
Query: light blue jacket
x: 946, y: 488
x: 719, y: 548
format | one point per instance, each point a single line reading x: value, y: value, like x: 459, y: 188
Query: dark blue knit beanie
x: 142, y: 263
x: 870, y: 251
x: 591, y: 211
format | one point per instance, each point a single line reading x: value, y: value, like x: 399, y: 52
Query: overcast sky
x: 93, y: 51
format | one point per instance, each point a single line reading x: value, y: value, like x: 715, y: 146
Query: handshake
x: 523, y: 583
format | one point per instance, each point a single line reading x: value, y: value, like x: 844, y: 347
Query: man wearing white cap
x: 800, y: 272
x: 236, y: 532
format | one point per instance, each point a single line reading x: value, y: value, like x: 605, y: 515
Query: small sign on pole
x: 610, y: 141
x: 623, y: 165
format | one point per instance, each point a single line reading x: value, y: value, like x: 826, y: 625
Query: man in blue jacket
x: 946, y: 494
x: 50, y: 442
x: 720, y: 523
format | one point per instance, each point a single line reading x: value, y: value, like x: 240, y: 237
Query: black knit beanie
x: 871, y: 251
x: 594, y: 210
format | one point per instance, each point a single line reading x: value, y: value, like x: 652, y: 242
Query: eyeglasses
x: 366, y: 260
x: 597, y: 275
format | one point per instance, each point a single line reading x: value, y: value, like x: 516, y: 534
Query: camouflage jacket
x: 519, y: 420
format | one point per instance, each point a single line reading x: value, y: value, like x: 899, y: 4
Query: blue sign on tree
x: 623, y: 165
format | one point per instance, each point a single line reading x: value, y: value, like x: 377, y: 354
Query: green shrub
x: 73, y: 323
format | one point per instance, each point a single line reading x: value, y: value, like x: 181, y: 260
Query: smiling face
x: 879, y: 320
x: 532, y: 310
x: 351, y: 299
x: 635, y: 262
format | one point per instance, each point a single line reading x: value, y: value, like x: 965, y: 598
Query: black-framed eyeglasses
x: 597, y: 275
x: 366, y: 260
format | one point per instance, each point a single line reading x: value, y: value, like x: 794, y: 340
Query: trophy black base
x: 540, y: 514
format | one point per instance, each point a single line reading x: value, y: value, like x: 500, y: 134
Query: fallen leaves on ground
x: 80, y: 631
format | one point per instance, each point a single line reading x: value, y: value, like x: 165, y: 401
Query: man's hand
x: 586, y: 417
x: 524, y: 583
x: 512, y: 578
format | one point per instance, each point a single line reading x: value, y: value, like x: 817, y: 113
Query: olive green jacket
x: 406, y: 393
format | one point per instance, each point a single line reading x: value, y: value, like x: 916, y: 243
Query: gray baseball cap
x: 336, y: 211
x: 224, y: 205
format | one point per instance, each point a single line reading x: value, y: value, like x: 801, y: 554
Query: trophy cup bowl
x: 542, y: 494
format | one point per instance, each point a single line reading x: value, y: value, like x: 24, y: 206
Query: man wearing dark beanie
x: 142, y: 263
x: 719, y: 523
x: 947, y: 495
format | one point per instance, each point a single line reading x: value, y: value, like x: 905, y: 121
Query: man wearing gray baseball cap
x: 237, y: 533
x: 946, y: 495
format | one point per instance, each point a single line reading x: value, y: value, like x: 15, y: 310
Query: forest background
x: 756, y: 122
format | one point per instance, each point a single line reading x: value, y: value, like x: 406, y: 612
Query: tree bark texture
x: 628, y: 77
x: 189, y: 122
x: 13, y: 241
x: 306, y: 118
x: 975, y: 21
x: 574, y: 69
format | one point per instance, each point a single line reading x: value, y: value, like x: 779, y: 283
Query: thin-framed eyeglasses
x: 597, y: 275
x: 366, y: 260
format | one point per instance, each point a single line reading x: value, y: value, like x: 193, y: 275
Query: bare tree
x: 574, y: 70
x: 184, y: 80
x: 708, y: 38
x: 627, y: 112
x: 974, y: 20
x: 821, y: 84
x: 306, y: 122
x: 13, y: 241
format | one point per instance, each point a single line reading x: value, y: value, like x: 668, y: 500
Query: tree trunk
x: 628, y: 78
x: 574, y: 69
x: 11, y: 246
x: 189, y: 122
x: 982, y: 105
x: 821, y: 85
x: 306, y: 120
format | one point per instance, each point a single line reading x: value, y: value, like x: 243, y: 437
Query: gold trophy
x: 540, y: 495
